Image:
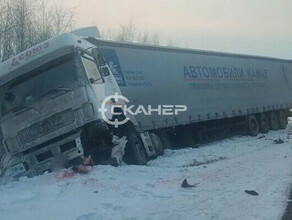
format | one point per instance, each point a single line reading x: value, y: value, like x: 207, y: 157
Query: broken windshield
x: 58, y: 75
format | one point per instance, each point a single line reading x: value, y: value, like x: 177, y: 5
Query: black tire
x: 282, y: 119
x: 157, y: 144
x: 134, y: 152
x: 252, y: 125
x: 273, y: 121
x: 263, y: 121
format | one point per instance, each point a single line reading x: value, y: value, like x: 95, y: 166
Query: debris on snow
x: 251, y: 192
x: 185, y: 184
x: 278, y: 141
x: 83, y: 168
x: 118, y: 150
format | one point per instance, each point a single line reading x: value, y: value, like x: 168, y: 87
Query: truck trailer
x: 67, y: 97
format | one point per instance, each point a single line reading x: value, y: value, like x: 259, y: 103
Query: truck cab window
x: 91, y: 69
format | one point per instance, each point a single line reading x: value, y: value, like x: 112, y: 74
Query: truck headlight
x: 18, y: 169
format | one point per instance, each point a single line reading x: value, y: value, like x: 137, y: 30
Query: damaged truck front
x: 50, y: 96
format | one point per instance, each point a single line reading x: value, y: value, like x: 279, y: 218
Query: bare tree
x: 21, y: 22
x: 52, y: 20
x: 24, y: 23
x: 7, y: 33
x: 169, y: 43
x: 149, y: 39
x: 129, y: 33
x: 108, y: 34
x: 155, y: 39
x: 62, y: 19
x: 145, y: 38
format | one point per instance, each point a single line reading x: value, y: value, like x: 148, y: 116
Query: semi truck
x: 67, y: 97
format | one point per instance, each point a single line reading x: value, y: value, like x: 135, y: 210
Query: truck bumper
x: 51, y: 157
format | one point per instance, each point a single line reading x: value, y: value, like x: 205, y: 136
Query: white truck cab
x: 50, y: 95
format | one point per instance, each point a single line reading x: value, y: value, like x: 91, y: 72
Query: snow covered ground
x: 223, y: 170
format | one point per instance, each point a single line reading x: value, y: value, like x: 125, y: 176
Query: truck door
x: 111, y: 86
x: 102, y: 81
x: 94, y: 75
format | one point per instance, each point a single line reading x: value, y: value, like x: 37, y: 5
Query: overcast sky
x: 262, y: 27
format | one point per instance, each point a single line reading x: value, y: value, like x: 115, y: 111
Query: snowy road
x: 223, y: 170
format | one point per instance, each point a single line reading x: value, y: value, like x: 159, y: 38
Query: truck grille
x: 50, y: 124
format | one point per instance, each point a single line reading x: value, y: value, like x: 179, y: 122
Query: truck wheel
x: 253, y: 126
x: 263, y: 123
x: 273, y: 120
x: 134, y: 151
x: 282, y: 120
x: 157, y: 144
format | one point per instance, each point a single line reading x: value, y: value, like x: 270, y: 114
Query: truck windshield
x: 56, y: 76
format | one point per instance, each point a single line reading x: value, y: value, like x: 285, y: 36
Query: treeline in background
x: 24, y: 23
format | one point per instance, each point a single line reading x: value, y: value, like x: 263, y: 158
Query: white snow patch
x: 227, y: 168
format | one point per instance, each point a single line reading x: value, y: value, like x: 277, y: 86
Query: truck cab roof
x: 39, y: 55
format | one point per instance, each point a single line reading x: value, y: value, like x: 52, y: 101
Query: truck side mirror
x: 105, y: 71
x: 98, y: 57
x: 96, y: 81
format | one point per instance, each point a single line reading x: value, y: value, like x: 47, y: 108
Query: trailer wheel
x: 282, y: 120
x: 134, y: 151
x: 273, y: 119
x: 253, y: 126
x: 157, y: 144
x: 263, y: 123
